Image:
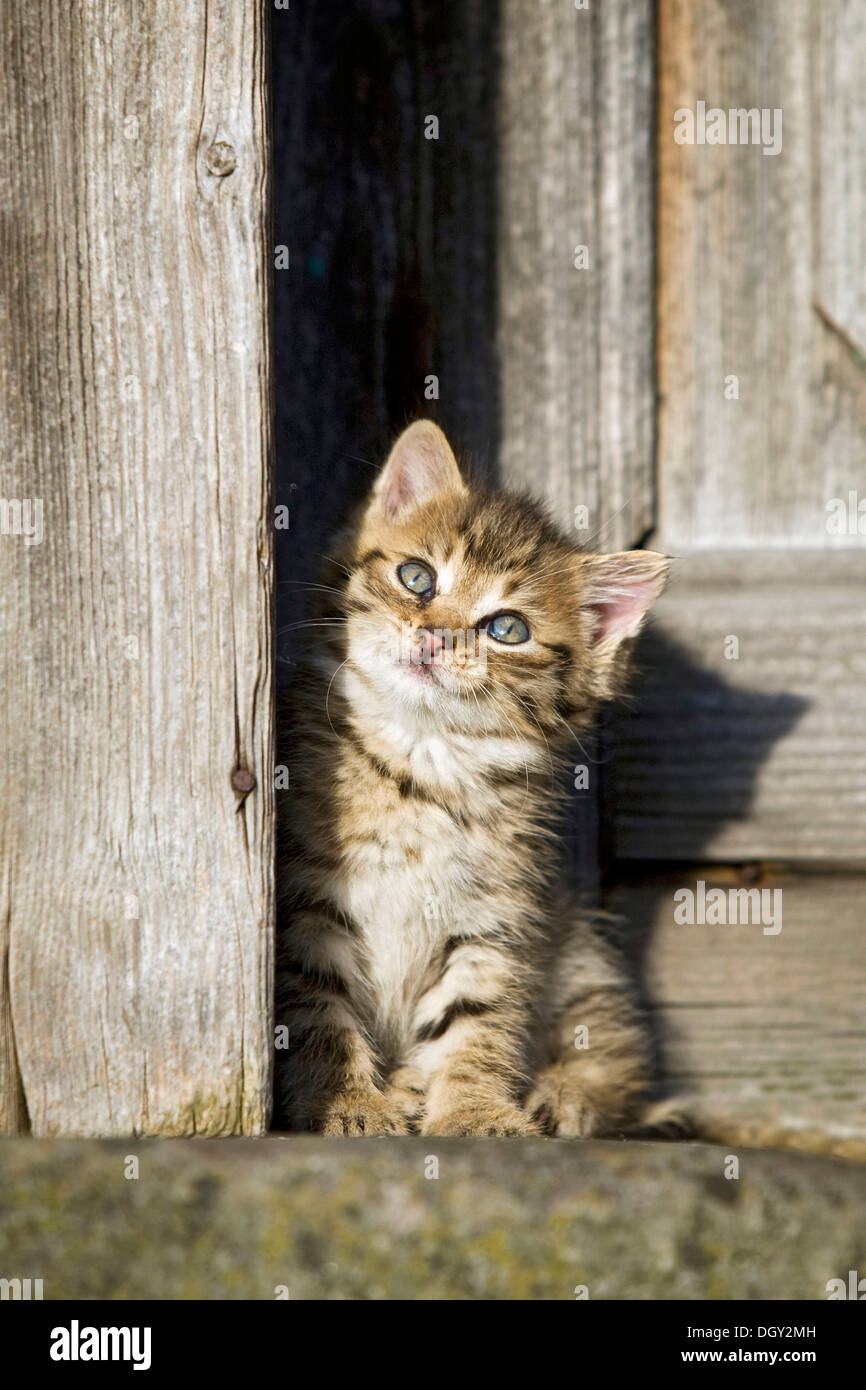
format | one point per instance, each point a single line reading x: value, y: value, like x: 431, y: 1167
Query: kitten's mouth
x: 420, y: 671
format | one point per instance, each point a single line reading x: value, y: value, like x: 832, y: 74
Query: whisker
x: 549, y: 574
x: 611, y: 518
x: 513, y: 727
x: 537, y: 724
x: 332, y: 560
x: 300, y: 584
x: 359, y: 458
x: 597, y: 762
x: 311, y: 622
x: 328, y: 696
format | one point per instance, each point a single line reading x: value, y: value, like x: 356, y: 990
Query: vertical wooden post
x: 575, y: 283
x: 576, y: 261
x: 136, y: 726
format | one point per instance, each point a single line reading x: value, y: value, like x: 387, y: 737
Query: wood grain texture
x: 758, y: 756
x: 576, y: 345
x: 760, y: 276
x: 765, y: 1032
x: 136, y: 647
x: 841, y: 192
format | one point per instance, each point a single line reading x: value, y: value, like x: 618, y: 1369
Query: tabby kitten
x: 431, y: 968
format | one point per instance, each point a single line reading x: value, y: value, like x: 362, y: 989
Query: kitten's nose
x: 429, y: 642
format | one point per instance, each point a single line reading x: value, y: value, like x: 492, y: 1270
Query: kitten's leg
x: 596, y: 1056
x: 327, y: 1078
x: 603, y: 1087
x: 470, y: 1031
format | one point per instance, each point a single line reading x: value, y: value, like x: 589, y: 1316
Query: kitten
x: 431, y: 967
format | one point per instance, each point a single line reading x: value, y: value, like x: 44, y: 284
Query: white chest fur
x: 406, y: 893
x: 411, y: 872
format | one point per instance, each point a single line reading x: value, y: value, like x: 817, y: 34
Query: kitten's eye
x: 417, y: 578
x: 508, y: 627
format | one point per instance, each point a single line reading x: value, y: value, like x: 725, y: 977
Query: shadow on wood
x: 680, y: 704
x: 389, y: 301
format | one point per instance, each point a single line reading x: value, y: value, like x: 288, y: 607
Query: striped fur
x: 431, y: 971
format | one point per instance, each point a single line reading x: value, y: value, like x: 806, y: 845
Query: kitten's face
x: 465, y: 611
x: 469, y: 611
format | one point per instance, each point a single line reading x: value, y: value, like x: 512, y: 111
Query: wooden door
x: 748, y: 739
x: 742, y: 758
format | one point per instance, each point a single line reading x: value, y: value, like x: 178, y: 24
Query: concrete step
x: 416, y: 1218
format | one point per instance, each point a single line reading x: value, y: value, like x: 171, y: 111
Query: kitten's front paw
x: 562, y: 1107
x: 406, y: 1090
x: 484, y: 1119
x: 355, y: 1113
x: 568, y: 1106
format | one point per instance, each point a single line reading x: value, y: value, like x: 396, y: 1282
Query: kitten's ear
x: 619, y: 590
x: 419, y: 466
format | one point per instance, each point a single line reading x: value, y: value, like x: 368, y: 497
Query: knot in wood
x: 220, y: 158
x: 243, y: 780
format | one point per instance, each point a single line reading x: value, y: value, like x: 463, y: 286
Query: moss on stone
x: 358, y: 1219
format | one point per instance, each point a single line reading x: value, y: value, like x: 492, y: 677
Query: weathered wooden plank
x: 136, y: 657
x: 576, y: 344
x: 759, y: 276
x: 765, y: 1031
x: 756, y: 755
